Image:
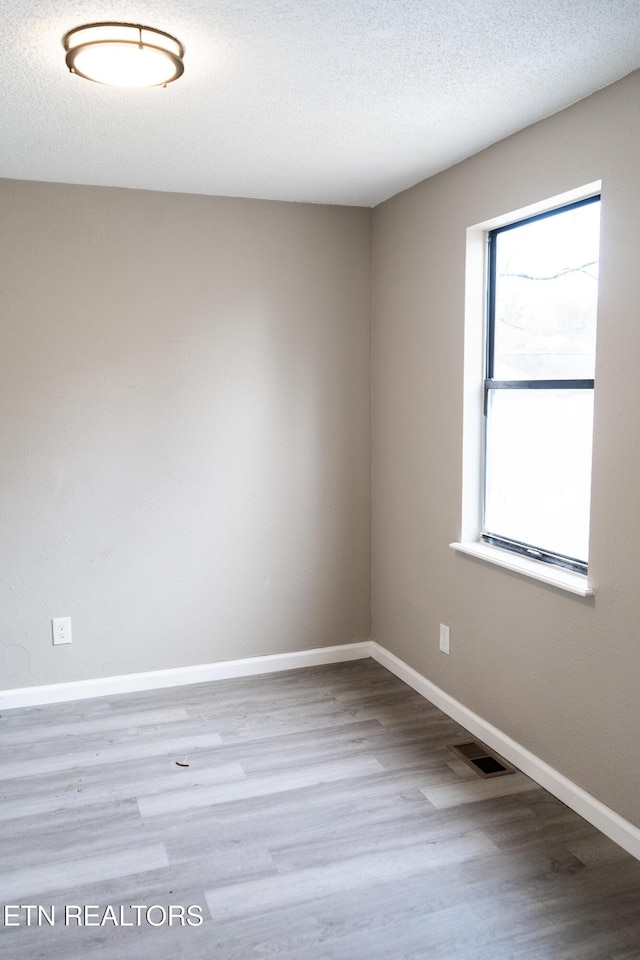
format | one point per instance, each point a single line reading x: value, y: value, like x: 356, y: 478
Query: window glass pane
x: 538, y: 474
x: 546, y: 288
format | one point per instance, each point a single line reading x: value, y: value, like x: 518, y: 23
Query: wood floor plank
x: 20, y: 884
x: 301, y: 776
x: 83, y: 792
x: 307, y: 884
x: 101, y: 753
x: 131, y: 720
x: 471, y: 791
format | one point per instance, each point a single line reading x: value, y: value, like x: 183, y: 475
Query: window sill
x: 544, y: 572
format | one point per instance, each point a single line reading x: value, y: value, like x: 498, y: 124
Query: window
x: 539, y: 382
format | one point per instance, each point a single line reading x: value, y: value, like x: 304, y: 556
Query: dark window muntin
x: 515, y: 546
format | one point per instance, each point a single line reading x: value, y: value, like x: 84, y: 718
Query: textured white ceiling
x: 332, y: 101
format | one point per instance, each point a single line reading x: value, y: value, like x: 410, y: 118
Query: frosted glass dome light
x: 124, y: 54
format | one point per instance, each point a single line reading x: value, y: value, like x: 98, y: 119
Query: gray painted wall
x: 559, y: 674
x: 184, y: 428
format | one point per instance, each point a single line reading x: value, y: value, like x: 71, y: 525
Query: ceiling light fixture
x: 124, y: 54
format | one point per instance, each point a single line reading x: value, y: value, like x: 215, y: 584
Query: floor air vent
x: 481, y: 759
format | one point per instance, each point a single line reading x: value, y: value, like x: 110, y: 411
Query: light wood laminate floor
x: 320, y: 817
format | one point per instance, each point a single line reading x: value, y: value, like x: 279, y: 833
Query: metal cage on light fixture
x: 124, y: 54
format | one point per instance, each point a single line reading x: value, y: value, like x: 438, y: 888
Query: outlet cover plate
x: 61, y: 630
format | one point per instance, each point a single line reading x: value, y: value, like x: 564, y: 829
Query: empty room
x: 315, y: 643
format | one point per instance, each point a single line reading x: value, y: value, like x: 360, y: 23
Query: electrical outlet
x: 444, y: 637
x: 61, y: 630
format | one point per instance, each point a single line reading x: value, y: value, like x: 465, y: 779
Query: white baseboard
x: 606, y: 820
x: 179, y: 676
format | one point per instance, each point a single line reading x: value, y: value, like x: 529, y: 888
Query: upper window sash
x: 492, y: 285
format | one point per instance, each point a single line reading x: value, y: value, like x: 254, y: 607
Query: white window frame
x: 473, y: 406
